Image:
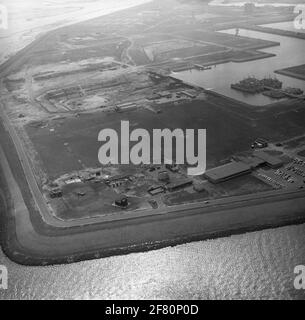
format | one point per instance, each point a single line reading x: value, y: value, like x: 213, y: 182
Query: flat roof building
x: 253, y: 162
x: 271, y: 161
x: 226, y: 172
x: 156, y: 190
x: 179, y: 185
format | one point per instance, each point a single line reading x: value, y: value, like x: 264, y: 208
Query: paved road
x: 37, y: 195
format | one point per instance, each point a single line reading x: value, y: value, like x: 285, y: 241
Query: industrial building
x: 259, y: 144
x: 226, y: 172
x: 117, y: 181
x: 73, y: 180
x: 253, y: 162
x: 271, y: 161
x: 188, y: 94
x: 179, y: 185
x: 153, y: 191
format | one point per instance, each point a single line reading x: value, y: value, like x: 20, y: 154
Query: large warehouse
x: 227, y: 171
x: 271, y: 161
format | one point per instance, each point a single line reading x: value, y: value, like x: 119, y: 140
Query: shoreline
x: 269, y: 30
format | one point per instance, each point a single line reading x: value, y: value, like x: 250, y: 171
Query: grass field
x: 225, y: 134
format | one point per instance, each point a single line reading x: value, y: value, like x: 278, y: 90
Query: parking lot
x: 291, y: 175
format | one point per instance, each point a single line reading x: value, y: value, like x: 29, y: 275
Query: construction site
x: 161, y: 65
x: 114, y: 188
x: 92, y: 75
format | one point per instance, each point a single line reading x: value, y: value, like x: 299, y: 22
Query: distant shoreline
x: 93, y: 14
x: 275, y: 3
